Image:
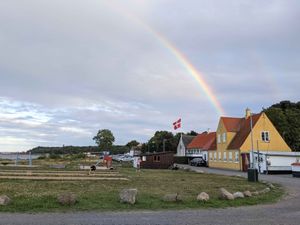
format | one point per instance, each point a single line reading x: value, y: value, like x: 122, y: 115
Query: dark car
x: 198, y: 162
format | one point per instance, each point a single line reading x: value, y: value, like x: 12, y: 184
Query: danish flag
x: 177, y: 124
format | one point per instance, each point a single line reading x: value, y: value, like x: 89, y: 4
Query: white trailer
x: 274, y: 162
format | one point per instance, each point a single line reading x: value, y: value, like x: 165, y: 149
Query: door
x: 245, y: 161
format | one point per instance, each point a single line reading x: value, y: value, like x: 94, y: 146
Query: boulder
x: 271, y: 186
x: 4, y: 200
x: 247, y: 194
x: 238, y: 195
x: 128, y: 195
x: 264, y: 191
x: 199, y: 171
x: 224, y: 194
x: 172, y: 198
x: 255, y: 193
x: 203, y: 197
x: 67, y: 198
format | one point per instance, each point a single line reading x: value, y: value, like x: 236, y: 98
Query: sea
x: 20, y: 156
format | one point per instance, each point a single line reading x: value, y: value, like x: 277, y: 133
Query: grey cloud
x: 69, y: 68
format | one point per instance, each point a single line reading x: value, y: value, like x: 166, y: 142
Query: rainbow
x: 187, y: 65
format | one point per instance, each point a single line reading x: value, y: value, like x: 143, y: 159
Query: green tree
x: 104, y: 139
x: 160, y: 139
x: 132, y: 143
x: 192, y: 133
x: 286, y: 118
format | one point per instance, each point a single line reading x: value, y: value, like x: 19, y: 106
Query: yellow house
x: 234, y: 140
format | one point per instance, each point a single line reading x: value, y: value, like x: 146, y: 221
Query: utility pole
x: 252, y: 153
x: 164, y: 145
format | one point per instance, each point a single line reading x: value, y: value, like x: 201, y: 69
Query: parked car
x: 198, y: 162
x: 126, y: 158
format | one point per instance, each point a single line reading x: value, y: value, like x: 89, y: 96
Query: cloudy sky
x: 71, y: 67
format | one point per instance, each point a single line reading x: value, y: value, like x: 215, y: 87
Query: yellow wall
x: 233, y: 165
x: 222, y: 148
x: 276, y: 142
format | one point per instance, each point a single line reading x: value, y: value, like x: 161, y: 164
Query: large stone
x: 264, y: 191
x: 247, y: 194
x: 67, y: 199
x: 270, y: 185
x: 128, y: 195
x: 224, y: 194
x: 255, y: 193
x: 172, y: 198
x: 203, y: 197
x: 238, y: 195
x: 4, y: 200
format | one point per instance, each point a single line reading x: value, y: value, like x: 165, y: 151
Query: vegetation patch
x: 152, y: 185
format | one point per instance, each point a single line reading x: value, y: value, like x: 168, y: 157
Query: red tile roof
x: 232, y: 124
x: 205, y: 141
x: 242, y: 129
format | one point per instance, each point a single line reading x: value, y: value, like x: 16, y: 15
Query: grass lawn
x: 152, y: 185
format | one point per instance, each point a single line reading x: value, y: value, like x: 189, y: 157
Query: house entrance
x: 245, y: 161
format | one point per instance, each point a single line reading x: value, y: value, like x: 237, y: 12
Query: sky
x: 70, y: 68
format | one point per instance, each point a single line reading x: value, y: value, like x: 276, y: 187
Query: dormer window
x: 224, y: 137
x: 265, y: 136
x: 219, y: 138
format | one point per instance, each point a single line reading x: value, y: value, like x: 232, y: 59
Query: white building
x: 183, y: 143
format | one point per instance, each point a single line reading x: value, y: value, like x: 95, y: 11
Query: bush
x: 77, y: 156
x: 54, y: 156
x: 42, y: 157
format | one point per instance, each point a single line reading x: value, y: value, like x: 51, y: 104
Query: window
x: 156, y: 158
x: 224, y: 137
x: 224, y: 156
x: 219, y: 138
x: 237, y: 156
x: 215, y: 156
x: 210, y: 156
x: 220, y: 156
x: 265, y: 136
x: 230, y: 156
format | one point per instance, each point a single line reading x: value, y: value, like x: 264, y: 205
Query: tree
x: 286, y: 118
x: 160, y: 139
x: 192, y: 133
x: 132, y: 143
x: 104, y: 139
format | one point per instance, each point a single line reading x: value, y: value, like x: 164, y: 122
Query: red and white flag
x: 177, y: 124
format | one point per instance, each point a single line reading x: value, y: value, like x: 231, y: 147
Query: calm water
x: 13, y: 156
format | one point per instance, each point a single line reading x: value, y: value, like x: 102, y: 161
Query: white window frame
x: 215, y: 156
x: 211, y: 156
x: 237, y: 156
x: 220, y: 156
x: 265, y: 136
x: 225, y: 156
x: 224, y: 137
x: 219, y: 138
x: 230, y: 156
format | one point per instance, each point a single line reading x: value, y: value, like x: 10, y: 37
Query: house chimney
x: 248, y: 113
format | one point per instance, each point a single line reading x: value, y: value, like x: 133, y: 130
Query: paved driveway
x: 286, y: 212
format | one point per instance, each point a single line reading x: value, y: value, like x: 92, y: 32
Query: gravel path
x: 285, y: 212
